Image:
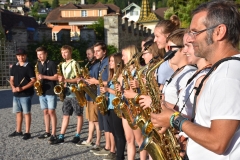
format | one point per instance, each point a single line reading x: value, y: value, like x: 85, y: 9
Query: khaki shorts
x: 91, y: 111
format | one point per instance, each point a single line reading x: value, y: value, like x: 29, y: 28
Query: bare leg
x: 131, y: 149
x: 98, y: 133
x: 19, y: 119
x: 46, y: 120
x: 139, y: 139
x: 112, y: 141
x: 107, y: 138
x: 90, y: 131
x: 65, y: 122
x: 79, y: 124
x: 27, y: 122
x: 53, y: 118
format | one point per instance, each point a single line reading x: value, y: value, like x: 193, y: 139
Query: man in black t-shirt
x: 47, y: 75
x: 22, y: 78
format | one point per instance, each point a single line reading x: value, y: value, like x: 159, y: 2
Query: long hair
x: 131, y: 49
x: 117, y: 60
x: 153, y: 49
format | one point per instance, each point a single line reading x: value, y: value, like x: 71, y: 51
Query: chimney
x: 82, y: 1
x: 153, y: 6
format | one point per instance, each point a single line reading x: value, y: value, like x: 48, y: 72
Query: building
x: 132, y: 12
x: 74, y: 17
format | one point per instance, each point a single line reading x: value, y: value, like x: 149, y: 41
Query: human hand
x: 14, y: 89
x: 60, y: 78
x: 40, y: 76
x: 145, y: 101
x: 134, y: 84
x: 19, y: 89
x: 103, y: 89
x: 162, y: 120
x: 129, y: 94
x: 91, y: 81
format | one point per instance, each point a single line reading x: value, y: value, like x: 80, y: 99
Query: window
x: 133, y: 13
x: 99, y: 13
x: 84, y: 13
x: 54, y: 37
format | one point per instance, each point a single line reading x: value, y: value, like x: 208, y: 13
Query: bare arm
x: 52, y: 78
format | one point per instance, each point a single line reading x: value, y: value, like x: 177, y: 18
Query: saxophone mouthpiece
x: 169, y: 55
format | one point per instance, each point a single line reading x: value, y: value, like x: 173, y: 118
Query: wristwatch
x: 177, y: 123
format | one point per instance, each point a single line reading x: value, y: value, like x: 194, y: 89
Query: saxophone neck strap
x: 198, y: 89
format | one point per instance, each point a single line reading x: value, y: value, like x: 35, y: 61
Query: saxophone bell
x: 37, y: 85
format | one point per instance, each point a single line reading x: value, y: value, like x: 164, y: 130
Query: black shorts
x: 70, y: 105
x: 103, y: 122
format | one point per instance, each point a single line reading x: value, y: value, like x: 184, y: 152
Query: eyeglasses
x: 171, y: 47
x: 193, y: 34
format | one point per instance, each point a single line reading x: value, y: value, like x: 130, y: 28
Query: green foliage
x: 91, y: 1
x: 55, y: 4
x: 168, y: 13
x: 162, y: 3
x: 98, y: 27
x: 111, y: 49
x: 111, y: 1
x: 182, y: 9
x: 46, y: 4
x: 54, y: 50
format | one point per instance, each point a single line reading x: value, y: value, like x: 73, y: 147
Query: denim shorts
x: 71, y: 105
x: 22, y: 104
x: 48, y: 102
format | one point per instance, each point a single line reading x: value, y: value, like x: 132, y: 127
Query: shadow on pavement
x: 6, y: 97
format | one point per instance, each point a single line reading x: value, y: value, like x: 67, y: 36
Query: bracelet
x: 172, y: 117
x: 177, y: 123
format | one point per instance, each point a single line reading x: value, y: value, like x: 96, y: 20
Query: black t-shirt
x: 48, y: 68
x: 25, y: 73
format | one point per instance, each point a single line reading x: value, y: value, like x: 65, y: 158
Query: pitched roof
x: 129, y: 6
x: 160, y: 11
x: 10, y: 19
x: 55, y: 15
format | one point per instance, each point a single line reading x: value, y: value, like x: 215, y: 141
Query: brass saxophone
x: 101, y: 99
x: 37, y: 85
x: 89, y: 89
x: 123, y: 106
x: 159, y: 146
x: 117, y: 100
x: 59, y: 88
x: 80, y: 95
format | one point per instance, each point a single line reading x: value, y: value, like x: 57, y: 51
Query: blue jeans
x: 22, y: 104
x: 48, y: 102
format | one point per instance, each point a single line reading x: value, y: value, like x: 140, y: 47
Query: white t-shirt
x: 219, y: 100
x: 179, y: 81
x: 186, y: 96
x: 164, y: 72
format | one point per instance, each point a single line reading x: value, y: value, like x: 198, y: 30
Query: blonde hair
x: 131, y: 49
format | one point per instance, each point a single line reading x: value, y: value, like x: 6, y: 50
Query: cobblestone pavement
x: 34, y: 148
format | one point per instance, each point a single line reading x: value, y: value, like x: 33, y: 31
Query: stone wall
x: 122, y: 33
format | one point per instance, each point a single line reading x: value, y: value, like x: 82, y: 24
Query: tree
x: 55, y: 4
x: 98, y: 27
x: 183, y: 10
x: 111, y: 1
x: 91, y: 1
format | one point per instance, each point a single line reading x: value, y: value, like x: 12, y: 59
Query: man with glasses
x: 214, y: 132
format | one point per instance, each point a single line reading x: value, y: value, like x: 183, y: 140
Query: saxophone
x: 123, y: 106
x: 101, y: 99
x: 37, y: 85
x: 80, y: 95
x: 59, y: 88
x: 116, y: 101
x: 159, y: 146
x: 89, y: 89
